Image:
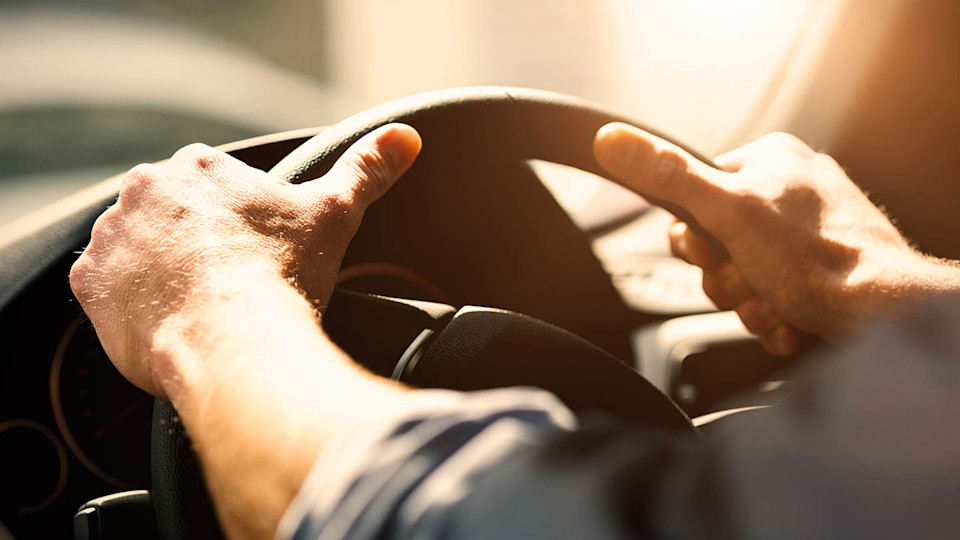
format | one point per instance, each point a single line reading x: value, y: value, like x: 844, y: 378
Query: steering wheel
x: 434, y: 345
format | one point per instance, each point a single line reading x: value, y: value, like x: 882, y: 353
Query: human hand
x: 203, y: 227
x: 807, y: 249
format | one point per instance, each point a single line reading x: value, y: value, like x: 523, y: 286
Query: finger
x: 770, y: 150
x: 201, y: 157
x: 782, y: 341
x: 103, y: 229
x: 725, y: 286
x: 656, y: 168
x: 136, y: 183
x: 758, y: 315
x: 80, y: 274
x: 372, y: 165
x: 731, y: 161
x: 198, y: 161
x: 686, y: 244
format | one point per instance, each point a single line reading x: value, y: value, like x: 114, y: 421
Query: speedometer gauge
x: 104, y: 419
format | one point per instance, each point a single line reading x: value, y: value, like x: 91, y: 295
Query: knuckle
x: 789, y: 142
x: 103, y: 230
x: 758, y: 315
x: 665, y: 170
x: 79, y: 273
x: 198, y: 155
x: 669, y: 165
x: 340, y: 203
x: 143, y: 172
x: 783, y: 138
x: 714, y: 291
x: 104, y: 224
x: 373, y: 168
x: 139, y: 177
x: 750, y: 317
x: 825, y: 164
x: 751, y: 323
x: 339, y: 211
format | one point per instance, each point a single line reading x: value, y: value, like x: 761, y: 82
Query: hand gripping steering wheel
x: 433, y: 345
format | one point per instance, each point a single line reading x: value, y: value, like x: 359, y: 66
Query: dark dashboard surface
x: 70, y: 426
x: 72, y: 429
x: 456, y: 229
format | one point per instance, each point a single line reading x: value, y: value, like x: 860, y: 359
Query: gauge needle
x: 132, y: 408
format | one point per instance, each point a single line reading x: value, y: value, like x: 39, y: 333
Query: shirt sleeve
x: 404, y: 472
x: 865, y: 446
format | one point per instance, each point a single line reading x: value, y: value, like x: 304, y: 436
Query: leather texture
x: 376, y: 330
x: 521, y: 123
x: 50, y: 234
x: 483, y: 348
x: 181, y: 502
x: 475, y: 143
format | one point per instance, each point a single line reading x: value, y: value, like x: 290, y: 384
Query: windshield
x: 91, y: 88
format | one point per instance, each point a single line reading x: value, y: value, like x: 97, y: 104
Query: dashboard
x: 71, y: 426
x: 72, y: 429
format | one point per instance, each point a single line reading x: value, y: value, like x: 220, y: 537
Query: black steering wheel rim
x: 523, y: 123
x: 503, y: 123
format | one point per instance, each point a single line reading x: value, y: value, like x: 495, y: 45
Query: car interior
x: 503, y: 257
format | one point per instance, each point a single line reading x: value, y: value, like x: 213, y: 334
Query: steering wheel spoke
x: 475, y: 143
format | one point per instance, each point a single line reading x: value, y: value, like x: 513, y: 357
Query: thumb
x: 656, y: 168
x: 370, y: 167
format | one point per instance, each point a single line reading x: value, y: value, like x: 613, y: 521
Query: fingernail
x: 403, y: 143
x: 678, y: 229
x: 615, y: 148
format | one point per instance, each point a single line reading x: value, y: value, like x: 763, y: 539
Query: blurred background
x: 91, y: 87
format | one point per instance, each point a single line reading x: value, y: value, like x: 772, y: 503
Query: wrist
x: 260, y: 389
x: 229, y: 311
x: 245, y: 367
x: 893, y: 285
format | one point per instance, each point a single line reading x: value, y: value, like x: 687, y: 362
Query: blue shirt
x: 866, y: 446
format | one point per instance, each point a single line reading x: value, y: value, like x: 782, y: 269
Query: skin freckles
x: 203, y: 283
x: 204, y: 280
x: 178, y: 225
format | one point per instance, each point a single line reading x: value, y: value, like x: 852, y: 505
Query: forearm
x: 892, y: 287
x: 184, y: 280
x: 260, y: 389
